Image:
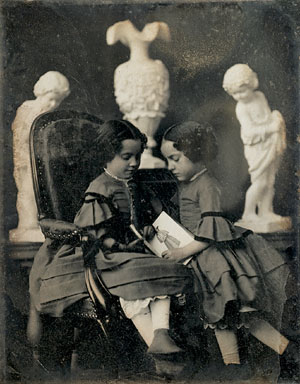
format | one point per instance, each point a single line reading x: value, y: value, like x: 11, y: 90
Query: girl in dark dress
x: 239, y: 278
x: 142, y: 281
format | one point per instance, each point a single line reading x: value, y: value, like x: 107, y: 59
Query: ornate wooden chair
x: 62, y: 169
x: 64, y: 162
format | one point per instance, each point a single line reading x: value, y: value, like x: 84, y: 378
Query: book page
x: 169, y: 234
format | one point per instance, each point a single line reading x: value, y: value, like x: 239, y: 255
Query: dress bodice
x: 197, y: 197
x: 201, y: 212
x: 111, y: 205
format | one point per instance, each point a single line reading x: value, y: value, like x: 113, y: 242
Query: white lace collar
x: 116, y: 177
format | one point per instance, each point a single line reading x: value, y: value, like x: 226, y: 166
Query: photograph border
x: 291, y: 10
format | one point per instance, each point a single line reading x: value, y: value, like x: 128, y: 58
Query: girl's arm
x: 111, y: 244
x: 181, y: 254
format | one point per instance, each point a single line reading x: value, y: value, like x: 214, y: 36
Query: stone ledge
x: 22, y: 250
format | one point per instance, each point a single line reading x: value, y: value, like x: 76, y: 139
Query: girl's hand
x: 176, y: 254
x: 134, y: 246
x: 148, y: 232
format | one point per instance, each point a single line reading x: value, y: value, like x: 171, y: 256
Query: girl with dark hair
x: 239, y: 278
x: 142, y: 281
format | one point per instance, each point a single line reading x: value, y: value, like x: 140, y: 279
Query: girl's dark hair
x: 110, y: 137
x: 196, y: 140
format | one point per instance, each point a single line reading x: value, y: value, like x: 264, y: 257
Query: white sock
x: 268, y: 335
x: 143, y: 323
x: 228, y: 345
x: 160, y: 312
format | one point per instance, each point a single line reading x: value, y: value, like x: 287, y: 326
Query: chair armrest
x: 60, y: 230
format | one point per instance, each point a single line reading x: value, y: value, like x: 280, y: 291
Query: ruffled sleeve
x: 214, y: 226
x: 95, y: 210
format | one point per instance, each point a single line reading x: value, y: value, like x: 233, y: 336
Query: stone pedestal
x: 23, y: 236
x: 282, y: 224
x: 23, y: 251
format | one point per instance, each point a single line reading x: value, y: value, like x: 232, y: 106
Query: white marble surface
x: 263, y: 134
x: 141, y: 83
x: 50, y: 90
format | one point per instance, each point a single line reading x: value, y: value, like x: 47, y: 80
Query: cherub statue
x: 264, y: 137
x: 50, y: 90
x: 141, y: 83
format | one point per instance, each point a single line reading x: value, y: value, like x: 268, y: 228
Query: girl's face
x: 181, y: 167
x: 126, y: 162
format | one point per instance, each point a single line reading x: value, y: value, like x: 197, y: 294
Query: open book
x: 168, y: 234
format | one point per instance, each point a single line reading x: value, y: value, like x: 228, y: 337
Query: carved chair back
x: 64, y: 162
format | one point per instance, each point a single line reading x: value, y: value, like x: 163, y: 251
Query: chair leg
x: 35, y: 356
x: 38, y: 370
x: 34, y: 333
x: 34, y: 326
x: 74, y: 358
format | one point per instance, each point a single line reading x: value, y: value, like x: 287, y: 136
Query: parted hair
x: 112, y: 133
x: 196, y: 140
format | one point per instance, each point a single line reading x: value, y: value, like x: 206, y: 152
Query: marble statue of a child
x: 264, y: 137
x: 50, y: 90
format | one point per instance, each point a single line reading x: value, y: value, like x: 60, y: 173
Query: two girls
x: 113, y: 201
